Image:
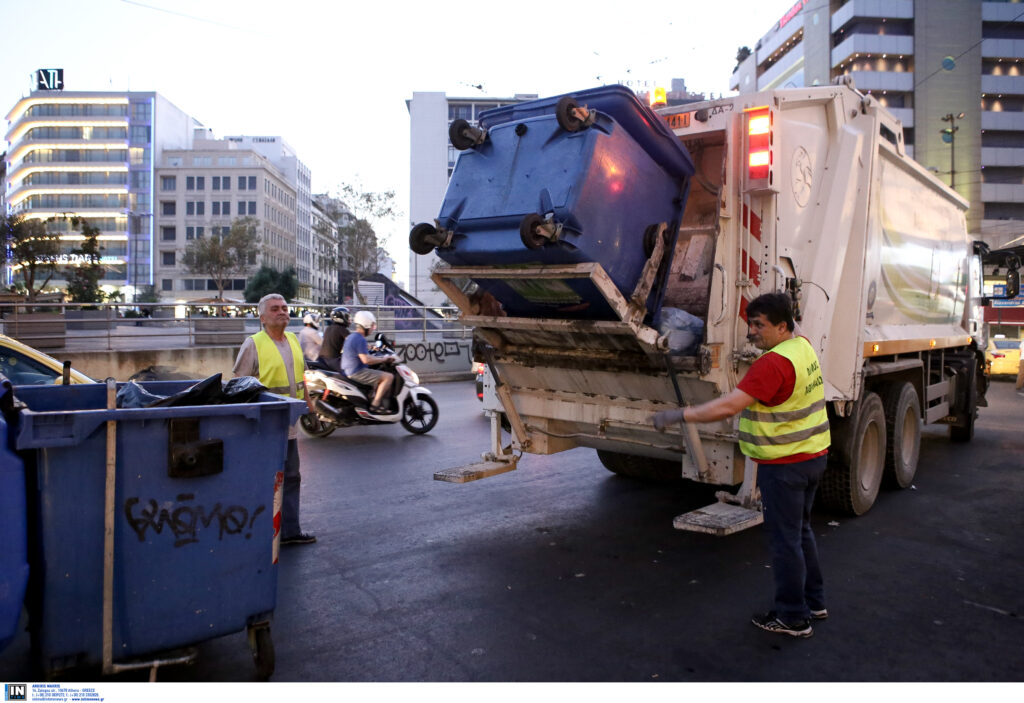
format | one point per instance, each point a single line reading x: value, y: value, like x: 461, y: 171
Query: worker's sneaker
x: 301, y: 538
x: 771, y: 623
x: 819, y: 614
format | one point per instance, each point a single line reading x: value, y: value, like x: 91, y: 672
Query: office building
x: 950, y: 70
x: 92, y: 154
x: 325, y: 251
x: 431, y: 162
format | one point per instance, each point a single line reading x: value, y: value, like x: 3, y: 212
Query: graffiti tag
x: 184, y: 520
x: 438, y: 352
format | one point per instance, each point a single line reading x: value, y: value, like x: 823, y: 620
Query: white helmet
x: 311, y: 318
x: 365, y: 319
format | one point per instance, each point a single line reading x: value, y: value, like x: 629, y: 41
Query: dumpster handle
x: 108, y: 534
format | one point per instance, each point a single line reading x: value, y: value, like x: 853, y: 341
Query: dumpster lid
x: 645, y: 126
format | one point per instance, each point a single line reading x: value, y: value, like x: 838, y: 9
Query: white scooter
x: 341, y: 402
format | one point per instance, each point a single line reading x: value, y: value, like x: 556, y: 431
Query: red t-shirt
x: 770, y: 380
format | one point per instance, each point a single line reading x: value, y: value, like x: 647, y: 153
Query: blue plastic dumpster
x: 13, y: 527
x: 603, y: 185
x: 195, y: 543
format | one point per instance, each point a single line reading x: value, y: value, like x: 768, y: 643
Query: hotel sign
x: 50, y: 79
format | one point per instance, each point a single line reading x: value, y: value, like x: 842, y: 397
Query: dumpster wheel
x: 567, y: 113
x: 262, y: 647
x: 528, y: 231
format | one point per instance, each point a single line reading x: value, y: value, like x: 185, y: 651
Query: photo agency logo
x: 15, y: 692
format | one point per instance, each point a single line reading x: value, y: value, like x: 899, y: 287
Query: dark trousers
x: 787, y: 493
x: 290, y: 499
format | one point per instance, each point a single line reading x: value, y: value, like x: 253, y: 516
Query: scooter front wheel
x: 419, y: 414
x: 313, y: 426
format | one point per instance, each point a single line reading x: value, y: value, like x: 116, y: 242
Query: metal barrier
x: 129, y: 326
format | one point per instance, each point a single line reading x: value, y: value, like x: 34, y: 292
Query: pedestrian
x: 356, y: 360
x: 784, y: 428
x: 309, y: 336
x: 275, y: 358
x: 334, y: 337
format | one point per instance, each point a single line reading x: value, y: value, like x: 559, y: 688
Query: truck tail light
x: 759, y: 145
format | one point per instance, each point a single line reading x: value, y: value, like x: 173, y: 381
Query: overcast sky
x: 332, y: 77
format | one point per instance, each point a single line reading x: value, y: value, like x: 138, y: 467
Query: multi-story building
x: 950, y: 70
x: 432, y: 160
x: 325, y: 257
x: 283, y: 156
x: 92, y: 154
x: 200, y: 192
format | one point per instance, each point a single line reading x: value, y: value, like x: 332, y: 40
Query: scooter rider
x: 309, y: 336
x: 334, y: 337
x: 356, y: 358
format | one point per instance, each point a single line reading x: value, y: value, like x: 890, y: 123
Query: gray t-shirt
x: 247, y: 363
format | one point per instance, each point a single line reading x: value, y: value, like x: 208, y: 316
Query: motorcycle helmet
x: 365, y: 319
x: 340, y: 316
x: 311, y: 318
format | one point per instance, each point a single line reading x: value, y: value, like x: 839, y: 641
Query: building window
x: 168, y: 234
x: 252, y: 182
x: 140, y: 180
x: 216, y: 208
x: 216, y: 182
x: 195, y: 207
x: 166, y: 284
x: 168, y: 183
x: 225, y: 183
x: 167, y: 207
x: 139, y: 134
x: 140, y: 112
x: 241, y: 183
x: 457, y: 112
x: 200, y: 182
x: 190, y: 182
x: 225, y: 207
x: 167, y: 258
x: 252, y: 207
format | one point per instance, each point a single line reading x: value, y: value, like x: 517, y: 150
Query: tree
x: 268, y: 280
x: 741, y: 55
x: 84, y: 279
x: 355, y: 211
x: 33, y: 248
x: 222, y: 257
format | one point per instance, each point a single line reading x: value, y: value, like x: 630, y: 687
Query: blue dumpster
x: 13, y: 527
x: 195, y: 525
x: 603, y: 186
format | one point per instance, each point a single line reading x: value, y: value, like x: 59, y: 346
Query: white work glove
x: 665, y: 418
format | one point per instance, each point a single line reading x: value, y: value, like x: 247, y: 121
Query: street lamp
x: 949, y: 136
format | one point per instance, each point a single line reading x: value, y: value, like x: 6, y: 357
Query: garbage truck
x: 807, y: 191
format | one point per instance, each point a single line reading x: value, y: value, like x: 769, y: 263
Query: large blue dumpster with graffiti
x: 195, y: 538
x: 13, y: 527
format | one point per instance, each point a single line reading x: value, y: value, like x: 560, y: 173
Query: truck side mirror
x: 1012, y: 283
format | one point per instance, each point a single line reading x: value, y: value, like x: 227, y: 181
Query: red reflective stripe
x: 753, y: 271
x: 743, y: 308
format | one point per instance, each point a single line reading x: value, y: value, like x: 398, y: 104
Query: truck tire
x: 902, y: 434
x: 641, y: 467
x: 856, y: 460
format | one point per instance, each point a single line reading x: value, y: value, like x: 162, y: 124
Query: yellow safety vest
x: 800, y: 424
x: 273, y: 373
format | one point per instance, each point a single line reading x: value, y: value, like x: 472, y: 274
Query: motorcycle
x: 342, y: 402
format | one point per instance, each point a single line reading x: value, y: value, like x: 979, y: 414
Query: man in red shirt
x: 784, y: 428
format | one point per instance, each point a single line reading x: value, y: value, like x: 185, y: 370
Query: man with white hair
x: 275, y: 358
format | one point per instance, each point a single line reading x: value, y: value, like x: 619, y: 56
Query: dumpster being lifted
x: 155, y: 528
x: 568, y: 181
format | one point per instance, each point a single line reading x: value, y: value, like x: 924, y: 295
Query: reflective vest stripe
x: 780, y: 439
x: 273, y: 373
x: 784, y: 416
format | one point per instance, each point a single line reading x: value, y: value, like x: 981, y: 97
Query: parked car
x: 25, y: 366
x: 1002, y: 356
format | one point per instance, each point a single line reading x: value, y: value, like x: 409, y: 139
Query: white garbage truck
x: 809, y: 191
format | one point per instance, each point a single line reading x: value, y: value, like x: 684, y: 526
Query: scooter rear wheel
x: 313, y: 426
x: 419, y: 414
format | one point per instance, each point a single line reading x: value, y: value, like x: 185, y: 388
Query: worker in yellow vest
x: 784, y: 428
x: 275, y: 358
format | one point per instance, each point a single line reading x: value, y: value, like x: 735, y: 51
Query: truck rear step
x: 718, y: 519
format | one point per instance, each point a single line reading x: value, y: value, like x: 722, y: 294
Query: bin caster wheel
x: 262, y: 647
x: 565, y: 113
x: 650, y: 239
x: 423, y: 238
x: 528, y: 231
x: 462, y: 135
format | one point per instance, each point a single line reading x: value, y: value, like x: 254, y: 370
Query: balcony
x: 1002, y: 85
x: 23, y: 124
x: 784, y: 70
x: 889, y: 9
x: 1002, y: 48
x: 999, y: 12
x: 891, y: 44
x: 883, y: 80
x: 769, y: 45
x: 1002, y: 193
x: 1002, y: 156
x: 904, y: 114
x: 1002, y: 121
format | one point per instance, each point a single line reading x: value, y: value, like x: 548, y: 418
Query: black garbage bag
x: 209, y: 391
x: 244, y: 389
x: 132, y: 395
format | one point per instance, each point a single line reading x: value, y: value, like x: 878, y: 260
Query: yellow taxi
x: 25, y: 366
x: 1002, y: 355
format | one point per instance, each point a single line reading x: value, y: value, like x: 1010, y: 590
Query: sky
x: 332, y: 77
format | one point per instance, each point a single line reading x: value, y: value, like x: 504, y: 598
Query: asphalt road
x: 560, y: 571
